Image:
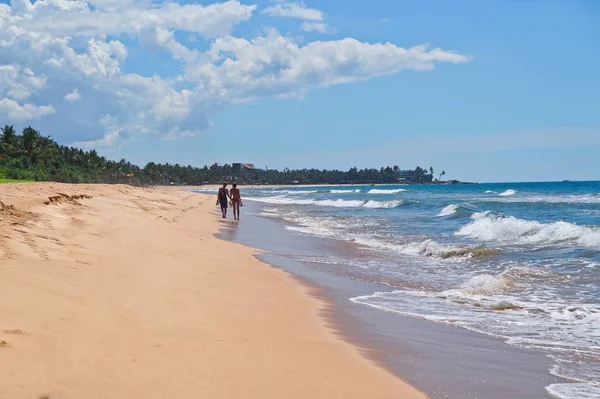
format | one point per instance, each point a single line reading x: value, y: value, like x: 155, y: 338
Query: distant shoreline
x: 214, y: 185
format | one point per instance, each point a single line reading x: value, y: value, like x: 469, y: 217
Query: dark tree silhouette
x: 33, y: 156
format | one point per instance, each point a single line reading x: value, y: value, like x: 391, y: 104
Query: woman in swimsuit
x: 236, y: 201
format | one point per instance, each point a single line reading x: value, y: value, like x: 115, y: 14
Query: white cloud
x: 73, y: 96
x: 275, y: 65
x: 19, y: 82
x: 293, y: 10
x: 110, y: 139
x: 314, y: 26
x: 384, y: 20
x: 52, y: 46
x: 14, y: 111
x: 75, y: 17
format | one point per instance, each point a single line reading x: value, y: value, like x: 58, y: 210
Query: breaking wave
x: 296, y: 192
x: 483, y: 284
x: 457, y: 210
x: 550, y: 199
x: 508, y: 193
x: 435, y: 249
x: 487, y: 226
x: 380, y: 191
x: 448, y: 210
x: 338, y: 229
x: 345, y: 191
x: 427, y: 248
x: 338, y: 203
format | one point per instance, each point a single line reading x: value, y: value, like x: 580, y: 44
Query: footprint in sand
x: 15, y: 332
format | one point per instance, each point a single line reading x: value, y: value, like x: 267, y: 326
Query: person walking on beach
x: 222, y: 197
x: 236, y: 201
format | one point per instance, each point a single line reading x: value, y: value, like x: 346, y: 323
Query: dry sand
x: 121, y: 292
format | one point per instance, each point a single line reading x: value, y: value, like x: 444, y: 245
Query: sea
x: 516, y: 261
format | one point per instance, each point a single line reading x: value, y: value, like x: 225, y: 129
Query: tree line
x: 32, y: 156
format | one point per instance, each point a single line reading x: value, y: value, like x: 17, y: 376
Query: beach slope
x: 122, y: 292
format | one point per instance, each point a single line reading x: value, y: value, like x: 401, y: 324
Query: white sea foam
x: 338, y: 203
x: 426, y: 248
x: 380, y: 191
x: 270, y: 212
x: 281, y: 200
x: 550, y: 199
x: 490, y: 192
x: 297, y: 192
x: 448, y: 210
x: 331, y: 227
x: 345, y: 191
x: 510, y: 230
x: 493, y: 305
x: 574, y: 391
x: 383, y: 204
x: 485, y: 284
x: 508, y: 193
x: 588, y: 212
x: 432, y: 248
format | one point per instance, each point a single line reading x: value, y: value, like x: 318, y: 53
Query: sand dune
x: 122, y: 292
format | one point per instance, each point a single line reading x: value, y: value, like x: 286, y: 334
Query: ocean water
x: 520, y: 261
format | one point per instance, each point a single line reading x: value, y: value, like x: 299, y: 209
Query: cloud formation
x: 73, y: 96
x: 313, y: 18
x: 293, y: 10
x: 63, y: 61
x: 314, y: 26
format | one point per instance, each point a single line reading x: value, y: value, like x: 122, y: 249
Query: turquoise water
x: 518, y: 261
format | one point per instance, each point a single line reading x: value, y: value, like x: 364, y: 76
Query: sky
x: 495, y: 90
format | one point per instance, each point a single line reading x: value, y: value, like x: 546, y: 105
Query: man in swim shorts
x: 236, y: 201
x: 222, y: 197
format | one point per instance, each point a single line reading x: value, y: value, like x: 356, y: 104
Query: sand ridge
x: 123, y: 292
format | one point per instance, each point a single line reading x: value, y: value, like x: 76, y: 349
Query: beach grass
x: 3, y: 180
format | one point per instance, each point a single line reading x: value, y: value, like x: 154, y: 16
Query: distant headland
x: 32, y: 157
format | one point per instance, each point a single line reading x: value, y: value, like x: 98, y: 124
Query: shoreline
x: 441, y: 360
x: 211, y: 186
x: 115, y: 290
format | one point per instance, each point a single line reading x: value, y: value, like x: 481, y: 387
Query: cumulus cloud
x: 110, y: 139
x: 314, y: 26
x: 19, y: 82
x: 293, y: 10
x: 73, y: 96
x: 75, y: 17
x: 49, y: 47
x: 14, y: 111
x: 273, y: 64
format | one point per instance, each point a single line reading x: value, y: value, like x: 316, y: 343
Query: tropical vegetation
x: 32, y: 156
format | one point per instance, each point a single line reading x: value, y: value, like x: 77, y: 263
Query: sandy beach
x: 122, y: 292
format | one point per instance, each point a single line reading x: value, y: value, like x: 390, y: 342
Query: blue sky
x: 513, y: 94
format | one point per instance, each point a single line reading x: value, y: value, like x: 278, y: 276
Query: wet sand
x: 441, y: 360
x: 122, y: 292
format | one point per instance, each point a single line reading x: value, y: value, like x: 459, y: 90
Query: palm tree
x: 7, y: 140
x: 34, y: 146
